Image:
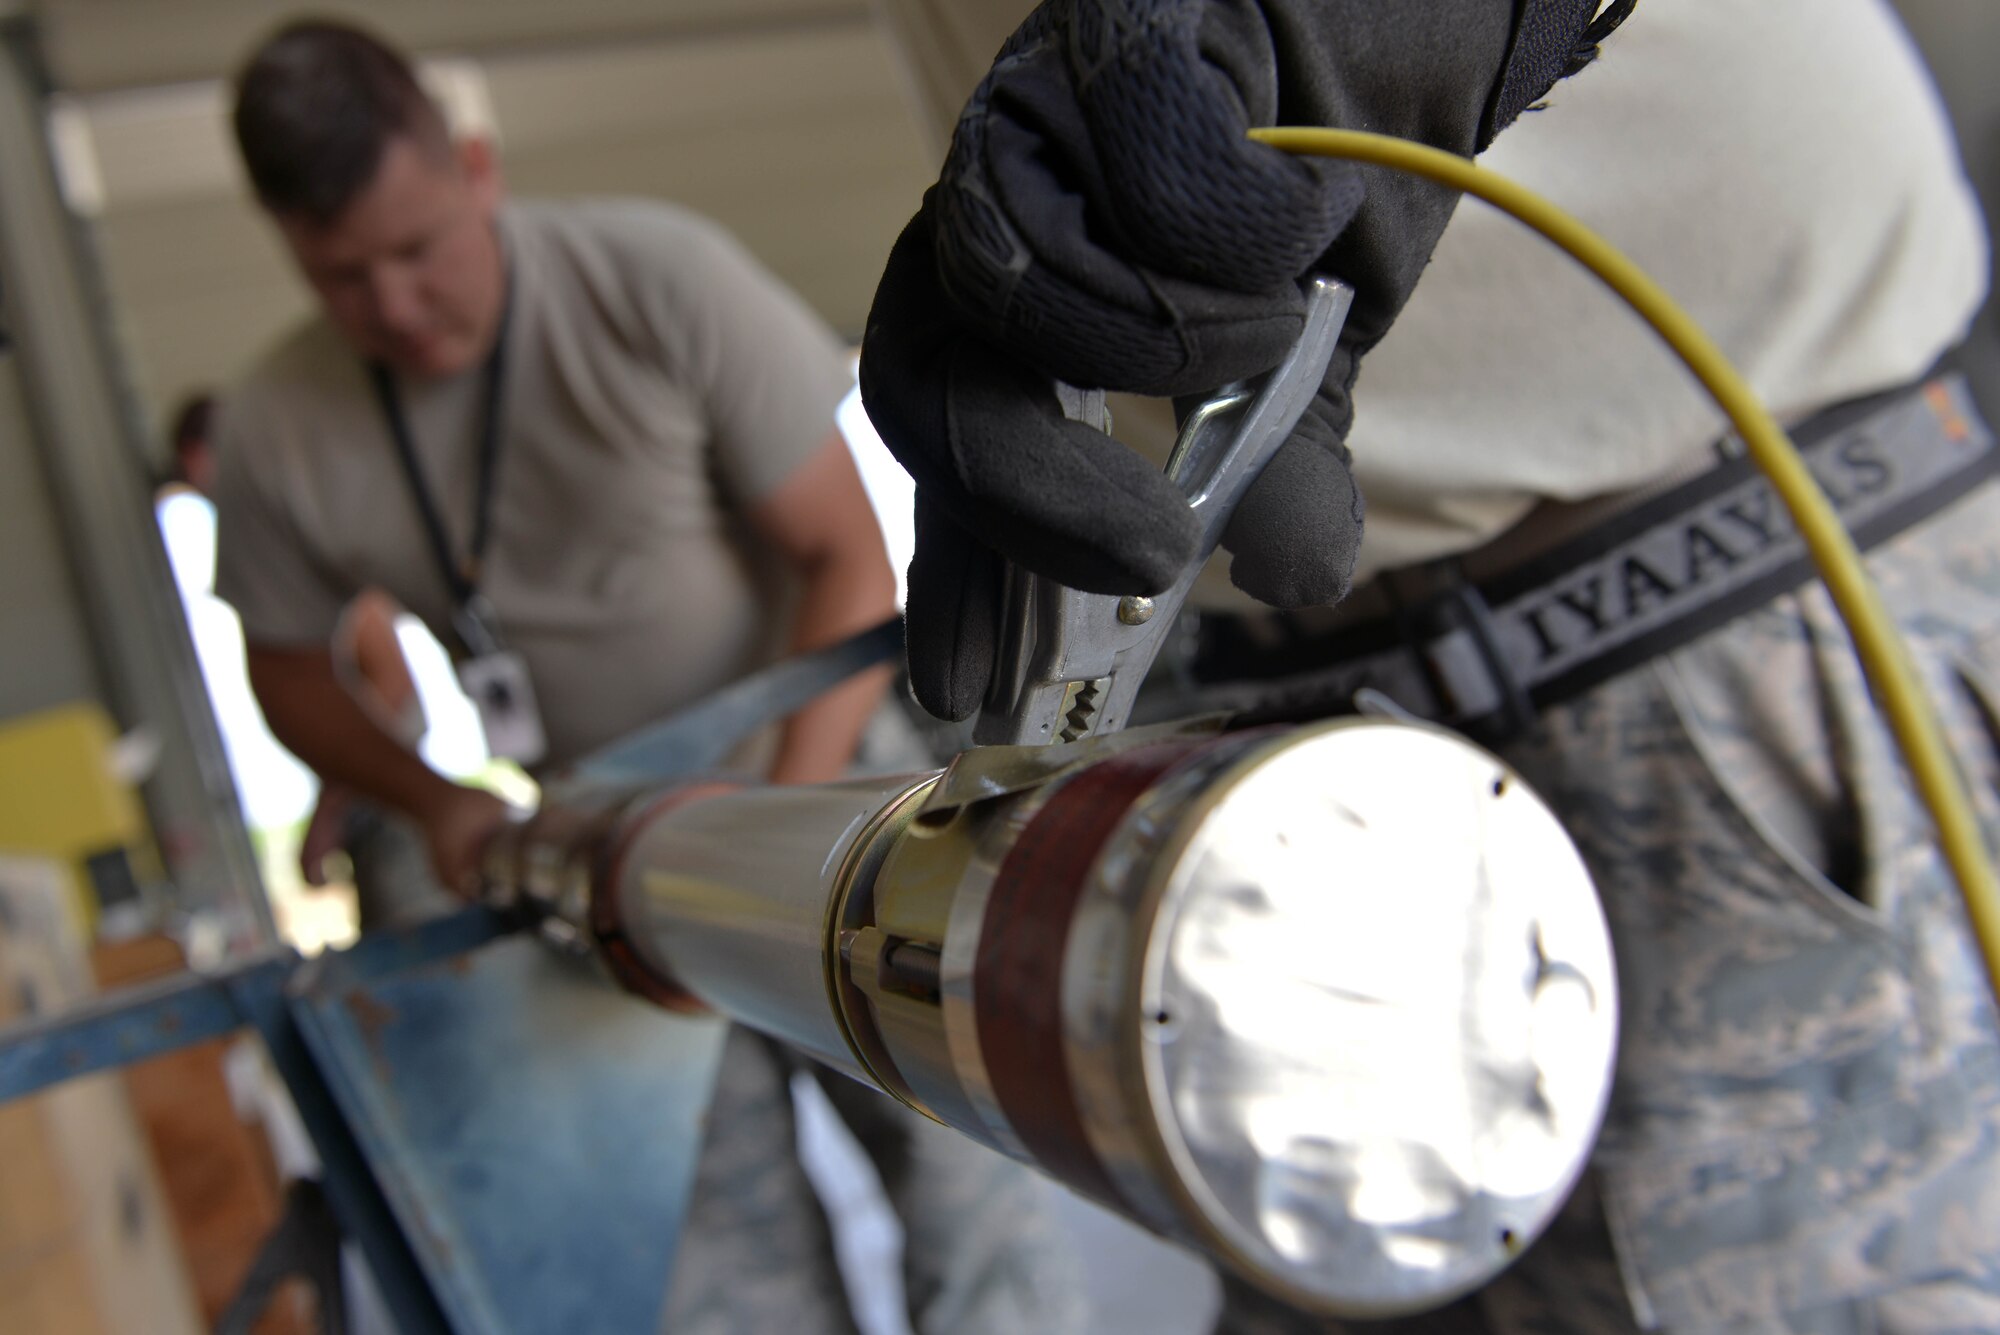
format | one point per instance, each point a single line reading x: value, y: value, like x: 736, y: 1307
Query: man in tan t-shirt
x: 663, y: 459
x: 597, y: 440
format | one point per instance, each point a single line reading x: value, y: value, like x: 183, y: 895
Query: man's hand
x: 1101, y: 219
x: 312, y: 713
x: 325, y: 833
x: 457, y: 824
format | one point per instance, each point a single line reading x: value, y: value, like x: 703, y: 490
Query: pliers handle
x: 1070, y: 663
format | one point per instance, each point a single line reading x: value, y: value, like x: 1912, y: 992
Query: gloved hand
x: 1101, y: 219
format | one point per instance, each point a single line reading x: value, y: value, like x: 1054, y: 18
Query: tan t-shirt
x: 658, y: 382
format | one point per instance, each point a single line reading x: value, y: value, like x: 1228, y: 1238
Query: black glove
x: 1101, y: 219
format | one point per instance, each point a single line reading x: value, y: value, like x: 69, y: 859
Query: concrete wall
x: 1961, y: 40
x: 44, y: 642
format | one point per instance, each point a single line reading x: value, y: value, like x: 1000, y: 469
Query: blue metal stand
x: 509, y: 1140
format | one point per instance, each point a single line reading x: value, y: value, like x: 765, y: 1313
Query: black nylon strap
x: 461, y: 578
x: 1472, y: 655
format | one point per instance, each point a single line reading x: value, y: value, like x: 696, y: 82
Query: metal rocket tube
x: 1334, y: 1005
x: 729, y: 895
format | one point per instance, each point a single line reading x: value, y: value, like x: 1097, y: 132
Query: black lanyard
x: 472, y: 615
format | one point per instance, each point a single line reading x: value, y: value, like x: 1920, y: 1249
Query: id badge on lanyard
x: 496, y: 680
x: 494, y: 677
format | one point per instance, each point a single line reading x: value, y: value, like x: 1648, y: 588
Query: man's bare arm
x: 309, y: 711
x: 368, y: 637
x: 820, y: 521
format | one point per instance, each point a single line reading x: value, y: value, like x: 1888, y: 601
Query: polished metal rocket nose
x: 1335, y: 1005
x: 1376, y: 1014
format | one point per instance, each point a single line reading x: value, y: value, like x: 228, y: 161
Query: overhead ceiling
x: 95, y: 45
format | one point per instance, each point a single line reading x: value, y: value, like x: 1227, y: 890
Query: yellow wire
x: 1883, y: 657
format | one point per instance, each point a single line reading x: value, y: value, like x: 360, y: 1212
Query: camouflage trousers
x: 982, y: 1252
x: 1805, y: 1127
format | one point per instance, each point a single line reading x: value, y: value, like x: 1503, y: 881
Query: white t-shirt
x: 1782, y: 168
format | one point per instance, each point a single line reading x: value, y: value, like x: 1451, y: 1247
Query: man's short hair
x: 316, y: 106
x: 192, y: 431
x: 194, y: 422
